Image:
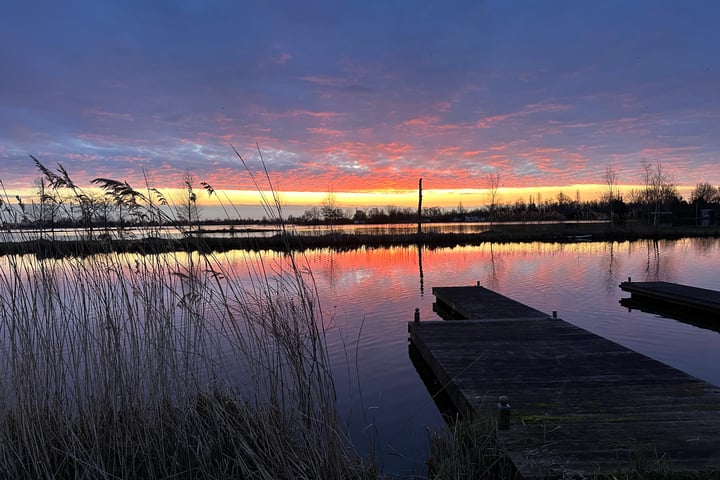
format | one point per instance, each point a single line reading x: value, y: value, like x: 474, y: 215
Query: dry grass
x: 469, y: 449
x: 164, y: 365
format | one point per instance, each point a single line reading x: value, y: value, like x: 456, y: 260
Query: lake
x: 371, y: 294
x: 368, y: 296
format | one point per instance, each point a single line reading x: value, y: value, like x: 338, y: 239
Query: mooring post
x: 503, y: 413
x: 417, y: 315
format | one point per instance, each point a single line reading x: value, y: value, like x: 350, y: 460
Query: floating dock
x: 676, y: 295
x: 580, y: 404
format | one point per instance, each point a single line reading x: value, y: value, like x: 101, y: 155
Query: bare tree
x: 330, y: 210
x: 660, y: 188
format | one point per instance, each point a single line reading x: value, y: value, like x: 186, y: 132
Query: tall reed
x: 162, y: 365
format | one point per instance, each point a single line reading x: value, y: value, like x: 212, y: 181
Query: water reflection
x: 437, y: 392
x: 697, y: 318
x: 420, y: 269
x: 611, y: 280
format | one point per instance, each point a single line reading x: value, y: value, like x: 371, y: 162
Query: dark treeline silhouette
x: 642, y: 205
x: 703, y: 206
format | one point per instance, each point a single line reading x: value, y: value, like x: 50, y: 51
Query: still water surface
x: 371, y: 294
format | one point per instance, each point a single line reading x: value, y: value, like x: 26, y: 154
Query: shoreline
x: 499, y: 233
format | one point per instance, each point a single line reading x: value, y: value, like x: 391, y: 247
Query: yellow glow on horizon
x: 449, y: 198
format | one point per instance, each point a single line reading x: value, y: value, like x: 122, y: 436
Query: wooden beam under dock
x: 580, y: 404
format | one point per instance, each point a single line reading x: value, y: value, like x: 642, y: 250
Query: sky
x: 363, y: 97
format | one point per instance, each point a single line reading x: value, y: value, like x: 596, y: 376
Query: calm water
x: 371, y: 295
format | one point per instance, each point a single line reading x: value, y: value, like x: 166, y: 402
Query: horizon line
x: 443, y: 198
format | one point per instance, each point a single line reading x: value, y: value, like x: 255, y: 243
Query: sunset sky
x: 363, y: 96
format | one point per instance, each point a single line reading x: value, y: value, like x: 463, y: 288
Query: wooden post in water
x: 503, y: 413
x: 419, y: 229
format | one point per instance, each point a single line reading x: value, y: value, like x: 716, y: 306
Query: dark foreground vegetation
x: 160, y: 366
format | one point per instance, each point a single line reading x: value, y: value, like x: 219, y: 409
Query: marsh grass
x: 162, y: 364
x: 469, y: 449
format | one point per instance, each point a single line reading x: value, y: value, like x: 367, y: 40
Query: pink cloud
x: 307, y: 113
x: 527, y: 111
x: 327, y: 132
x: 421, y: 121
x: 448, y: 150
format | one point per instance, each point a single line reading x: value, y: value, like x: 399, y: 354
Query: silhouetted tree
x: 705, y: 194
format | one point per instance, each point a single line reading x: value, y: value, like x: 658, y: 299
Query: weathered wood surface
x: 675, y: 294
x: 581, y: 404
x: 479, y: 302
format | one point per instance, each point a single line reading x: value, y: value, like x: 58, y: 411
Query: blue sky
x: 360, y: 96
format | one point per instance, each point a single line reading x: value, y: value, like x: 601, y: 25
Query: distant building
x: 706, y: 217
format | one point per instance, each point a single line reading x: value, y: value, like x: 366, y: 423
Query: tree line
x: 60, y: 203
x: 656, y: 201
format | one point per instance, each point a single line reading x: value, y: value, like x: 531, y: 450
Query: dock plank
x: 675, y: 294
x: 581, y: 404
x: 479, y: 302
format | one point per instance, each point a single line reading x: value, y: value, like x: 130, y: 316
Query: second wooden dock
x: 674, y: 294
x: 580, y: 404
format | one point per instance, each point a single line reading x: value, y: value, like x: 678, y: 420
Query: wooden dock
x: 683, y: 296
x: 580, y: 404
x: 479, y: 303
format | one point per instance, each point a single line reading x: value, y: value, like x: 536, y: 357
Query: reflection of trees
x: 492, y: 280
x: 704, y: 246
x: 611, y: 281
x: 652, y: 266
x: 326, y: 265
